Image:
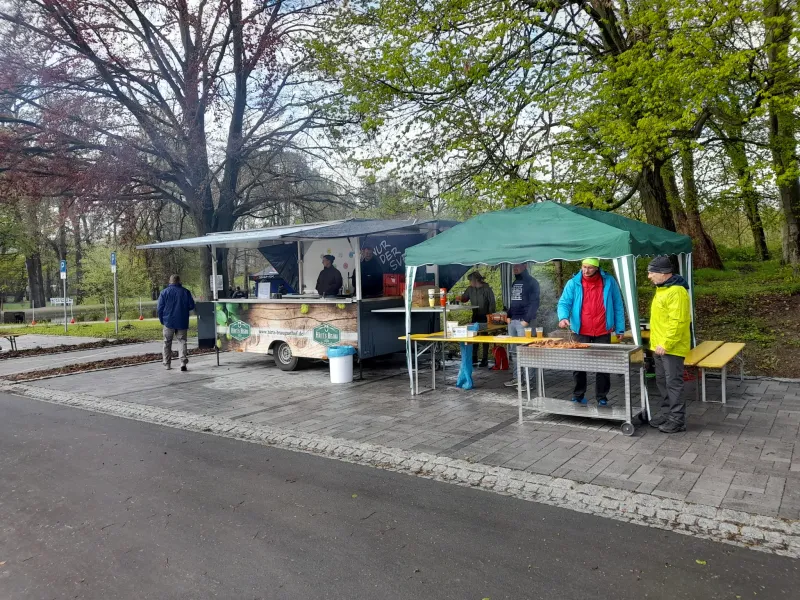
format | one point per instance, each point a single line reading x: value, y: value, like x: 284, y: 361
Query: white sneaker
x: 512, y: 383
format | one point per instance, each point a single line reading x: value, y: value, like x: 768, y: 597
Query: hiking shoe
x: 512, y: 383
x: 602, y: 401
x: 183, y: 368
x: 672, y: 427
x: 658, y: 421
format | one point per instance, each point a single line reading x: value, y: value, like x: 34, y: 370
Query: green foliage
x: 519, y: 104
x: 131, y: 330
x: 132, y: 280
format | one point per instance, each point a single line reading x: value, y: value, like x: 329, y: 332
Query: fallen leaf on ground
x: 700, y: 562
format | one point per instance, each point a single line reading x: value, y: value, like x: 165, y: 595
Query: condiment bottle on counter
x: 443, y: 296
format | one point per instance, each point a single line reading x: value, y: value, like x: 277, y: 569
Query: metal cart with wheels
x: 621, y: 359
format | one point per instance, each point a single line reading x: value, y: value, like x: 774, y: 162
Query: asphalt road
x: 97, y: 507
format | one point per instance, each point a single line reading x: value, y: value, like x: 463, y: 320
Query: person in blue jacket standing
x: 523, y: 309
x: 174, y: 305
x: 591, y: 306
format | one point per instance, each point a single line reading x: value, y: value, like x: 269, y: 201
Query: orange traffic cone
x: 33, y: 322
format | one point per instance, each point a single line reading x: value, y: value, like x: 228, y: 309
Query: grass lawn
x: 132, y: 330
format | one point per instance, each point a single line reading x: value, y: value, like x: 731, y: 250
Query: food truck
x: 304, y: 324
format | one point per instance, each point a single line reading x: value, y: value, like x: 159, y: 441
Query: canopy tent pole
x: 625, y: 269
x: 214, y: 291
x: 506, y: 279
x: 411, y: 274
x: 686, y: 271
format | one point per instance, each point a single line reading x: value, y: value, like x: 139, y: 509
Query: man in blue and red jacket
x: 591, y: 306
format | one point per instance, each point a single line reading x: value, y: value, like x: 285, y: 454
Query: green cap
x: 594, y: 262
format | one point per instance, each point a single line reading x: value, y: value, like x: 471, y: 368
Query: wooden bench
x: 12, y: 339
x: 720, y: 359
x: 697, y: 354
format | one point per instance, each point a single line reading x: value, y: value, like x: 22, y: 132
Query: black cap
x: 330, y: 257
x: 660, y: 264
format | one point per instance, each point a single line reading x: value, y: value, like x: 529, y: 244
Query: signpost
x: 116, y: 299
x: 63, y: 269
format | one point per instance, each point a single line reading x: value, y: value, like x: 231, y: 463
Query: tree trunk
x: 653, y: 195
x: 674, y: 197
x: 704, y: 251
x: 33, y: 262
x: 76, y: 230
x: 738, y: 157
x: 781, y: 79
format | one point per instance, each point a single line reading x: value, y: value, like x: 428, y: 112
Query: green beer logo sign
x: 326, y: 334
x: 239, y: 330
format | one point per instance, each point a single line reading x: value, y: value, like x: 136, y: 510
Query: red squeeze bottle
x: 443, y: 296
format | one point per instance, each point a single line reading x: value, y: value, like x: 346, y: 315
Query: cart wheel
x: 283, y: 357
x: 628, y: 429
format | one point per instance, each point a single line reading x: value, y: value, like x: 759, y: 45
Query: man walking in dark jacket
x: 523, y: 309
x: 174, y: 305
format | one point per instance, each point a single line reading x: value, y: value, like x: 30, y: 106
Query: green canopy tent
x: 548, y: 231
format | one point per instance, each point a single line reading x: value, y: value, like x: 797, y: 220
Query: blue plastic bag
x: 464, y: 380
x: 336, y: 351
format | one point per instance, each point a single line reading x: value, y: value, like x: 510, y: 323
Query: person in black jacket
x: 371, y: 274
x: 523, y: 309
x: 329, y: 282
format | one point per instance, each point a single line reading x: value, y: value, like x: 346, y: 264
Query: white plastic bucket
x: 341, y: 369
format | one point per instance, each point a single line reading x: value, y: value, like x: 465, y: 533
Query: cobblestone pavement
x: 738, y: 460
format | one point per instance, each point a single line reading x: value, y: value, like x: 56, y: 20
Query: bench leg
x: 741, y: 369
x: 696, y: 385
x: 724, y: 382
x: 703, y: 382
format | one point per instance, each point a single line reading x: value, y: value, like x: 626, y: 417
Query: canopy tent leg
x: 625, y: 269
x: 686, y: 271
x: 506, y: 280
x: 411, y: 274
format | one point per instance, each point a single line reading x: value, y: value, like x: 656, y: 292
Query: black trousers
x: 603, y: 380
x: 669, y: 379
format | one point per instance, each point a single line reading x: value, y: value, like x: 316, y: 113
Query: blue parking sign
x: 63, y: 269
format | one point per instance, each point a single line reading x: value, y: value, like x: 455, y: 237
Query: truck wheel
x: 283, y: 357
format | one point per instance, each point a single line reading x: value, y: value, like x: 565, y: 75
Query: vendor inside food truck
x: 371, y: 274
x: 329, y: 282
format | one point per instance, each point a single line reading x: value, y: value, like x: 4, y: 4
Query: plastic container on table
x: 341, y: 361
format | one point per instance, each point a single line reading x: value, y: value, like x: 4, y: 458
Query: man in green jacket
x: 670, y: 341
